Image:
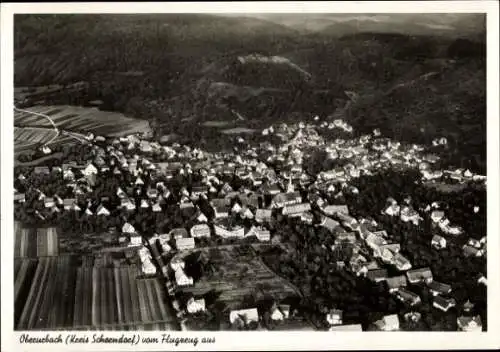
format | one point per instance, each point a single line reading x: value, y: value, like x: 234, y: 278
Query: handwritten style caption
x: 100, y: 338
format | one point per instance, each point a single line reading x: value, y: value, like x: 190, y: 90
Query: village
x: 239, y: 200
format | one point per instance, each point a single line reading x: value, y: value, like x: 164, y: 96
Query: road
x: 79, y: 137
x: 44, y: 116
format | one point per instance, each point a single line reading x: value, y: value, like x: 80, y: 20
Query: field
x: 47, y: 242
x: 82, y: 119
x: 54, y: 277
x: 31, y: 137
x: 117, y: 298
x: 238, y: 273
x: 238, y: 130
x: 33, y: 243
x: 24, y: 270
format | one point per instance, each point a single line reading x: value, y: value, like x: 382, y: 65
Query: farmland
x: 239, y: 272
x: 32, y: 137
x: 92, y: 297
x: 116, y: 298
x: 81, y: 119
x: 30, y: 243
x: 42, y: 310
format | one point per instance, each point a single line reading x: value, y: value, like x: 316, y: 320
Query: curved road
x: 45, y: 116
x: 79, y: 137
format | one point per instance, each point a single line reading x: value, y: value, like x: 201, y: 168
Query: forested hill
x: 172, y: 67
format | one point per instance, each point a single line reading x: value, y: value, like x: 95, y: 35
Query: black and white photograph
x: 278, y: 172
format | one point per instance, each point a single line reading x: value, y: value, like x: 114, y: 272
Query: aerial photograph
x: 251, y: 171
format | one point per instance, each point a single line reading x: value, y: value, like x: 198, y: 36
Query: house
x: 49, y: 202
x: 410, y: 215
x: 469, y: 324
x: 156, y: 207
x: 472, y: 242
x: 89, y: 170
x: 195, y: 305
x: 348, y: 327
x: 225, y: 231
x: 221, y: 211
x: 246, y: 213
x: 152, y: 193
x: 127, y: 204
x: 307, y: 218
x: 420, y: 275
x: 271, y: 190
x: 68, y: 175
x: 468, y: 306
x: 182, y: 280
x: 101, y: 210
x: 144, y: 204
x: 437, y: 288
x: 128, y: 228
x: 178, y: 232
x: 121, y: 193
x: 280, y: 312
x: 19, y: 197
x: 334, y: 317
x: 329, y: 223
x: 236, y: 208
x: 396, y: 282
x: 148, y: 268
x: 263, y: 215
x: 139, y: 181
x: 408, y: 297
x: 70, y: 204
x: 296, y: 209
x: 392, y: 210
x: 261, y: 233
x: 377, y: 275
x: 388, y: 323
x: 470, y: 251
x: 282, y: 199
x: 438, y: 242
x: 200, y: 230
x: 437, y: 216
x: 443, y: 304
x: 375, y: 242
x: 244, y: 316
x: 336, y: 209
x: 177, y: 263
x: 135, y: 240
x: 184, y: 243
x: 402, y: 263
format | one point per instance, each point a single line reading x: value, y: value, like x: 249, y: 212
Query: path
x: 45, y: 116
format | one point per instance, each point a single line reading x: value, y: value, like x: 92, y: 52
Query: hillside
x: 192, y: 68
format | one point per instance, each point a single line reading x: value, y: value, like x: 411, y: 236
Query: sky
x: 316, y: 22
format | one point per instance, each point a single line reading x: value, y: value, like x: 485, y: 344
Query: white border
x: 266, y: 340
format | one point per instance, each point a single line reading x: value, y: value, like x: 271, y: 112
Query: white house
x: 90, y: 170
x: 334, y: 317
x: 244, y: 315
x: 177, y: 263
x: 389, y: 323
x: 469, y: 324
x: 102, y: 210
x: 185, y: 243
x: 438, y: 242
x: 280, y: 312
x: 135, y: 240
x: 182, y: 279
x: 200, y: 230
x: 128, y: 228
x: 194, y: 306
